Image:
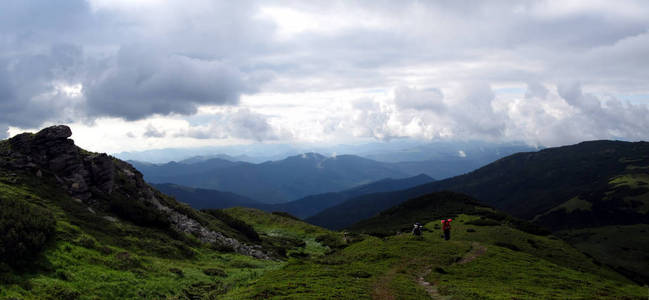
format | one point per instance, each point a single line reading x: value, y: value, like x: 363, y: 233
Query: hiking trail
x: 476, y: 251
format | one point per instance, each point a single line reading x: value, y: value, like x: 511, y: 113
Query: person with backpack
x: 446, y: 227
x: 416, y: 230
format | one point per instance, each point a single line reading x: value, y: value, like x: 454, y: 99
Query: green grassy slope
x: 315, y: 241
x: 91, y: 257
x: 622, y: 247
x: 515, y: 264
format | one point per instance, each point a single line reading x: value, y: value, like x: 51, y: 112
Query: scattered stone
x: 177, y: 271
x: 110, y: 219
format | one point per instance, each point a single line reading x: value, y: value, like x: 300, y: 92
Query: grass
x: 574, y: 204
x: 317, y: 240
x: 633, y: 180
x: 388, y: 268
x: 623, y: 247
x: 93, y: 258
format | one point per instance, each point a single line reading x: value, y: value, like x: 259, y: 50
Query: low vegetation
x: 89, y: 256
x: 391, y: 268
x: 25, y: 228
x: 623, y: 247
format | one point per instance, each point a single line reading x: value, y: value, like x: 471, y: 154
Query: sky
x: 131, y: 75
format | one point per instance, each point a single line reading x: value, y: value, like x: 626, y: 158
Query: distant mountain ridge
x: 301, y: 208
x: 205, y: 198
x: 274, y: 181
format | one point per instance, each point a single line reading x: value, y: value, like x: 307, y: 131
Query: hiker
x: 446, y: 226
x: 416, y: 230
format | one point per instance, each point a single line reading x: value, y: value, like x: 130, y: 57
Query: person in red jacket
x: 446, y: 227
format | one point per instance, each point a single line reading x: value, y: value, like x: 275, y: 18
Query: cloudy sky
x: 133, y: 75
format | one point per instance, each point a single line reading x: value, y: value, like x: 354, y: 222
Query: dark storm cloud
x: 128, y: 65
x: 28, y: 86
x: 143, y: 83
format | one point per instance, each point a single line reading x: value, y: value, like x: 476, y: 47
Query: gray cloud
x: 153, y: 132
x: 429, y: 99
x: 30, y: 87
x: 143, y: 83
x: 474, y: 114
x: 179, y: 56
x: 166, y: 72
x: 536, y: 90
x: 241, y: 124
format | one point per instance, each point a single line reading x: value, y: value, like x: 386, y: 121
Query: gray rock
x: 55, y: 132
x: 92, y: 178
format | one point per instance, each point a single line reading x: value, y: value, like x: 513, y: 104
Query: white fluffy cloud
x: 543, y: 71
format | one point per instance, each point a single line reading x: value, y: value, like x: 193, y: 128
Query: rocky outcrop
x: 100, y: 180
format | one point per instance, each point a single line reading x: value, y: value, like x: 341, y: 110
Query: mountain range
x: 301, y: 208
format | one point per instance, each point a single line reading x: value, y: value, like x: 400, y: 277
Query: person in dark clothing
x: 446, y: 227
x: 416, y: 230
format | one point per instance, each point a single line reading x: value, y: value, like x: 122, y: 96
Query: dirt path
x: 430, y: 288
x: 476, y: 251
x: 381, y: 289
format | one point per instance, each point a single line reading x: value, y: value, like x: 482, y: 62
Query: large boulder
x: 56, y: 132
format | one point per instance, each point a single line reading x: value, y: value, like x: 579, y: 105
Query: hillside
x: 578, y: 191
x: 276, y: 181
x: 486, y: 258
x: 610, y: 176
x: 432, y: 207
x: 82, y: 225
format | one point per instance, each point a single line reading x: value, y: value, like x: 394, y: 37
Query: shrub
x: 87, y: 242
x: 139, y: 212
x: 235, y: 223
x: 177, y: 271
x: 204, y: 290
x: 483, y: 222
x: 215, y: 272
x: 63, y: 275
x: 285, y: 215
x: 470, y: 230
x: 25, y: 229
x: 299, y: 254
x: 60, y: 292
x: 223, y: 248
x: 360, y: 274
x: 507, y: 245
x: 330, y: 240
x: 126, y: 261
